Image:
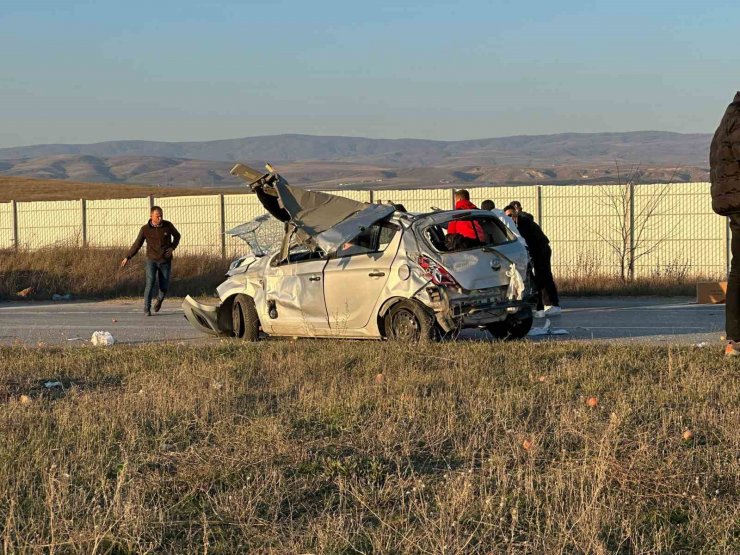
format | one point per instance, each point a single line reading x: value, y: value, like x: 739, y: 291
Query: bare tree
x: 628, y: 238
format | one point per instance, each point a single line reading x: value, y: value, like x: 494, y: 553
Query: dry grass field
x: 349, y: 447
x: 26, y: 189
x: 89, y: 273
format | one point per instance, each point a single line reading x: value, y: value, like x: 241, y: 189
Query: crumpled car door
x: 355, y: 280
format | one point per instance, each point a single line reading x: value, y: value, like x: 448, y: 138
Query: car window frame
x: 469, y: 217
x: 382, y: 223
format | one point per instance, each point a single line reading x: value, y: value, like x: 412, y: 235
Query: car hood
x: 323, y: 220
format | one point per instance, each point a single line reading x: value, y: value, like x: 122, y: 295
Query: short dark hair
x: 487, y: 205
x: 463, y: 193
x: 510, y: 206
x: 156, y: 208
x: 516, y: 205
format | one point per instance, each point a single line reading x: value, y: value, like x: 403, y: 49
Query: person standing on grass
x: 724, y: 173
x: 548, y: 302
x: 161, y: 239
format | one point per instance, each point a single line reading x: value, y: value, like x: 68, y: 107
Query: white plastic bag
x: 102, y: 339
x: 516, y: 284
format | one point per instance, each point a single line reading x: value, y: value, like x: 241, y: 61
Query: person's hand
x: 168, y: 252
x: 124, y: 262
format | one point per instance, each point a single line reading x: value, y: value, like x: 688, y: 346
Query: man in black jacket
x: 161, y: 239
x: 548, y: 302
x: 724, y: 164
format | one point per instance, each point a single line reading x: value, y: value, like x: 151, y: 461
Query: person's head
x: 462, y: 194
x: 487, y: 205
x: 511, y: 211
x: 156, y: 215
x: 516, y: 205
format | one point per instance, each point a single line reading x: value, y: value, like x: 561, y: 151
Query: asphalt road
x: 624, y: 320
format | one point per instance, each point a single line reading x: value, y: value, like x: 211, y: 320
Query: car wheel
x: 513, y: 327
x: 245, y: 319
x: 409, y: 321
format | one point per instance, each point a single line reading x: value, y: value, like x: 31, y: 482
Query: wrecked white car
x: 355, y: 270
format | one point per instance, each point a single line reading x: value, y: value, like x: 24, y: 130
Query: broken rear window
x: 469, y: 232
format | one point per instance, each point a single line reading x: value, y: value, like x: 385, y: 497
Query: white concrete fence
x: 670, y: 228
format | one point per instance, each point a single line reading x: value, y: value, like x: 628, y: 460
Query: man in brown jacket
x: 161, y: 240
x: 724, y: 164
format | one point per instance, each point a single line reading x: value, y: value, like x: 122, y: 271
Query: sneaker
x: 157, y: 304
x: 539, y: 314
x: 552, y: 310
x: 732, y: 349
x: 147, y: 312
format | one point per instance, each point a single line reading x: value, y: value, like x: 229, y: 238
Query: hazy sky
x: 86, y: 71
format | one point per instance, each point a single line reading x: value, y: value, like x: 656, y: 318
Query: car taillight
x: 437, y: 273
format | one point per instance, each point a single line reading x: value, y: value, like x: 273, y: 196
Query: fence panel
x: 681, y: 235
x: 115, y: 223
x: 6, y: 225
x: 417, y: 200
x: 502, y: 196
x: 581, y: 222
x: 676, y: 231
x: 197, y: 218
x: 44, y: 223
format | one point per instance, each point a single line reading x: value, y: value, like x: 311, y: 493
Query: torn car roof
x: 325, y: 220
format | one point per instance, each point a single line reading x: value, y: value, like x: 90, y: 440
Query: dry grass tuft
x: 296, y: 447
x: 94, y: 273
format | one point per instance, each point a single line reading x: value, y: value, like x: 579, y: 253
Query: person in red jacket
x: 470, y: 229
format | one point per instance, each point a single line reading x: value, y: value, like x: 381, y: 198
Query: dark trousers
x: 547, y: 292
x: 157, y: 274
x: 732, y: 306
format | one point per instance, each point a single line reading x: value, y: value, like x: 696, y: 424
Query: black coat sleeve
x: 175, y: 237
x: 137, y: 245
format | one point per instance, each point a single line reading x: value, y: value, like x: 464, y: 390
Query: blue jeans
x: 156, y: 272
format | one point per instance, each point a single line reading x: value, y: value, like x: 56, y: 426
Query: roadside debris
x: 102, y: 339
x: 547, y: 330
x: 25, y: 292
x: 58, y: 297
x: 702, y: 344
x: 52, y: 385
x: 592, y: 402
x: 74, y: 339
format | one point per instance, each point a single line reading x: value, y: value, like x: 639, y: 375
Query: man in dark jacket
x: 161, y: 240
x: 548, y: 302
x: 724, y: 163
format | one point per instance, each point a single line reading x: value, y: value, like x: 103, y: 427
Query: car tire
x: 410, y: 321
x: 513, y: 327
x: 245, y: 319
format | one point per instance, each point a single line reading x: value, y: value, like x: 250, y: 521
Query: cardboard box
x: 711, y: 292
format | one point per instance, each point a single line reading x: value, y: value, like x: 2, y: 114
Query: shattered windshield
x: 263, y: 235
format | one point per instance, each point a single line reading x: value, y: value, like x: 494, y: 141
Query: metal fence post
x: 222, y: 226
x: 14, y: 209
x: 83, y: 215
x: 631, y: 260
x: 151, y: 202
x: 728, y: 247
x: 372, y: 196
x: 539, y: 206
x: 452, y: 193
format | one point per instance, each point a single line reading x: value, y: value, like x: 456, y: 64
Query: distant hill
x: 331, y: 161
x: 647, y: 147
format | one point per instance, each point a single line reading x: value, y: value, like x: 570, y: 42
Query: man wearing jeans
x: 161, y: 240
x: 724, y: 164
